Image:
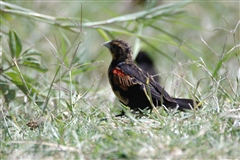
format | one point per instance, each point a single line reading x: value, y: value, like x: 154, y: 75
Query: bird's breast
x: 120, y: 97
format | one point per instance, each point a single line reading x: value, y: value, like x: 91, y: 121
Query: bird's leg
x: 121, y: 114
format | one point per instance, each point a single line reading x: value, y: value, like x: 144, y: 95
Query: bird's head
x: 120, y: 50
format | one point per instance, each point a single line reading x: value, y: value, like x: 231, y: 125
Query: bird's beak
x: 107, y: 44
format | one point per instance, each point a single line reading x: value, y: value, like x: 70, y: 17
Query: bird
x: 146, y: 63
x: 134, y: 87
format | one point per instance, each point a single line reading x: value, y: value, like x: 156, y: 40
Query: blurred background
x: 53, y: 76
x: 192, y: 44
x: 189, y: 42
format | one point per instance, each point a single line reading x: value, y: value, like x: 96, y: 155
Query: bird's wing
x: 122, y: 79
x: 129, y: 75
x: 160, y: 93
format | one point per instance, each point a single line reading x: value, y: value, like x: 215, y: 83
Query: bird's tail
x: 184, y: 104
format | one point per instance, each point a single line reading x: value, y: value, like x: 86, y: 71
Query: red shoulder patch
x: 118, y: 72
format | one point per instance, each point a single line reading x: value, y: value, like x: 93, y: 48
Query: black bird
x: 131, y: 84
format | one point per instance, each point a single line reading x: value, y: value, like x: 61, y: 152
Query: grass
x: 56, y: 102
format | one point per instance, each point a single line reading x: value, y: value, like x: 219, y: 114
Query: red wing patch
x: 118, y: 72
x: 121, y: 79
